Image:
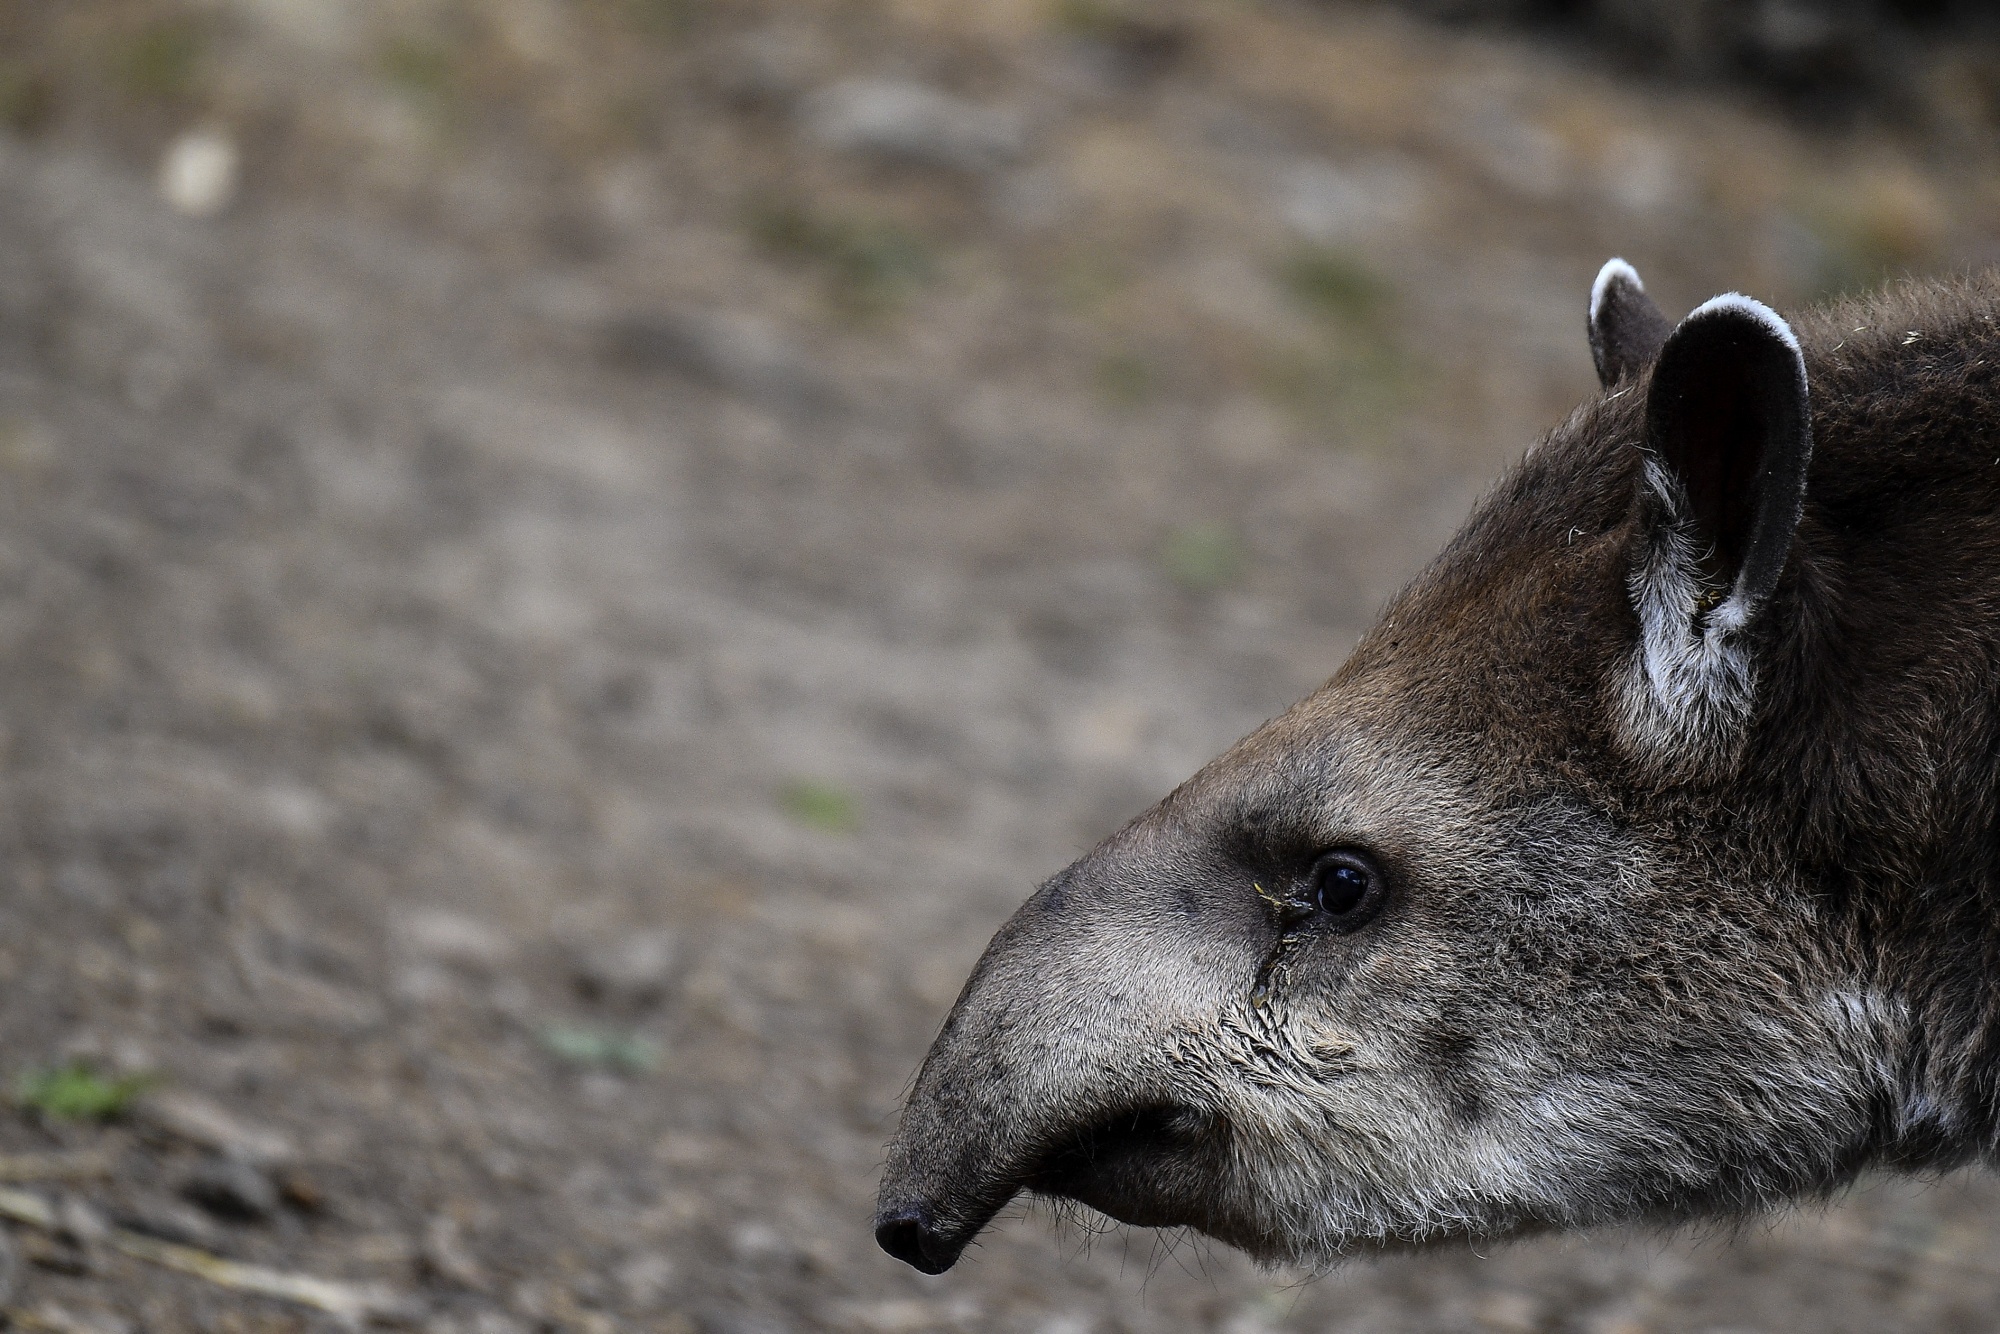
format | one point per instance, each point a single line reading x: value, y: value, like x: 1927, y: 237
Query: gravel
x: 521, y: 710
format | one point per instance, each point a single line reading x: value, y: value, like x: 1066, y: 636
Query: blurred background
x: 564, y: 563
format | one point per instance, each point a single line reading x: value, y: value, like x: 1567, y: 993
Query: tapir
x: 1640, y: 865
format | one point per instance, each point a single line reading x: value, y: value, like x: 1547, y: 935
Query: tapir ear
x: 1728, y: 439
x: 1626, y: 328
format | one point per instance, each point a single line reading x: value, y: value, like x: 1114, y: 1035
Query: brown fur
x: 1610, y: 982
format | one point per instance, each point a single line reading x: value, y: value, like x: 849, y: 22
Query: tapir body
x: 1641, y: 864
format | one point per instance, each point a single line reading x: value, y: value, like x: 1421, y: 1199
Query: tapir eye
x: 1346, y: 888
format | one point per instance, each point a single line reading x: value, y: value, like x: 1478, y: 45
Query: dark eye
x: 1346, y: 888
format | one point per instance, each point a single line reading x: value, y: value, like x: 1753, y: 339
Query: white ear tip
x: 1614, y: 270
x: 1737, y: 303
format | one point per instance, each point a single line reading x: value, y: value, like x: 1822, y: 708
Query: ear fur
x: 1626, y: 328
x: 1728, y: 439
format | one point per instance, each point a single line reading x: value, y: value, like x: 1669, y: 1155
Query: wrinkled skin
x: 1618, y: 971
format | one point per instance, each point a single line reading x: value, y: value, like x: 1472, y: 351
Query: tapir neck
x: 1876, y: 759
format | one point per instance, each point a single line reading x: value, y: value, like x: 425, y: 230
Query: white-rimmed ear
x: 1626, y: 328
x: 1728, y: 439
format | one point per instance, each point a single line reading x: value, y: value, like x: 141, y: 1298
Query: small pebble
x: 79, y: 1221
x: 195, y: 1119
x: 445, y: 1254
x: 757, y: 1242
x: 450, y: 938
x: 169, y: 1220
x: 301, y: 1191
x: 198, y: 173
x: 910, y: 122
x: 232, y: 1189
x: 633, y: 970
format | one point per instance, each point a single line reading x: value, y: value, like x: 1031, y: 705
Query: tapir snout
x: 1057, y: 1072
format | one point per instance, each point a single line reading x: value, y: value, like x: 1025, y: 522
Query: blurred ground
x: 540, y: 638
x: 1932, y: 66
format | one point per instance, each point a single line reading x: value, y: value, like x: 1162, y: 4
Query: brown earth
x: 539, y: 641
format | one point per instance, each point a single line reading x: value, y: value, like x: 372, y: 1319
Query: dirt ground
x: 539, y: 638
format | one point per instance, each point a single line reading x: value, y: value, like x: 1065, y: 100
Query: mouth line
x: 1121, y: 1135
x: 1113, y: 1164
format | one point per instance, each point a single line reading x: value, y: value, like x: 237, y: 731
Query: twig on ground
x: 356, y: 1303
x: 24, y: 1207
x: 54, y: 1166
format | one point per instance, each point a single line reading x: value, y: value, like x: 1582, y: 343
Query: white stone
x: 911, y: 122
x: 451, y: 938
x: 198, y: 173
x: 634, y: 969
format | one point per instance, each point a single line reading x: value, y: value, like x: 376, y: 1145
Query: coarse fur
x: 1685, y: 801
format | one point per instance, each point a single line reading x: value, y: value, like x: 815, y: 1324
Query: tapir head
x: 1470, y: 943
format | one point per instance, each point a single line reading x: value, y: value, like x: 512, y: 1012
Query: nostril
x: 907, y: 1235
